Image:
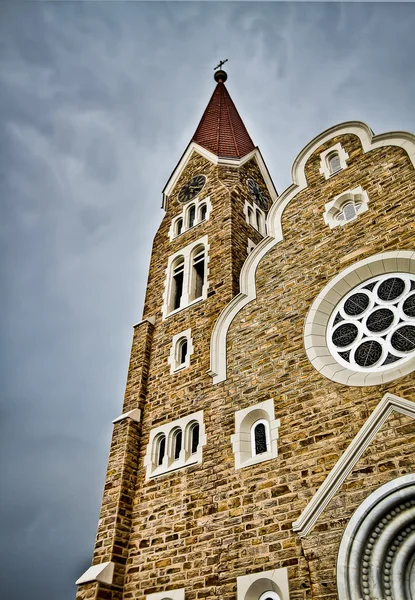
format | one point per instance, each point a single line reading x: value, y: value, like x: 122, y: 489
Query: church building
x: 266, y: 446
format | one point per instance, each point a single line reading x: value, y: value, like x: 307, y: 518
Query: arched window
x: 161, y: 449
x: 177, y: 444
x: 250, y: 216
x: 179, y: 226
x: 259, y: 222
x: 334, y: 162
x: 194, y: 438
x: 260, y: 437
x: 181, y: 352
x: 202, y: 212
x: 198, y: 273
x: 177, y: 283
x: 191, y: 216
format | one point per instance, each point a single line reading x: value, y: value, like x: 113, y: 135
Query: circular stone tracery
x: 373, y: 326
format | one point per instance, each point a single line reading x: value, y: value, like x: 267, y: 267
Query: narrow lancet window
x: 202, y: 212
x: 181, y: 352
x: 194, y: 438
x: 177, y: 283
x: 259, y: 222
x: 259, y: 441
x: 191, y: 216
x: 161, y: 449
x: 334, y: 163
x: 179, y: 226
x: 198, y: 273
x: 177, y: 444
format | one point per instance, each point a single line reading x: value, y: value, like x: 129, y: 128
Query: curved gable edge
x: 247, y: 282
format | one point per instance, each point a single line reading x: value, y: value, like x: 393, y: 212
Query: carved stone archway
x: 377, y: 553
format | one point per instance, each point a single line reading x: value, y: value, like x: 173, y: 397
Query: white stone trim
x: 134, y: 415
x: 251, y: 587
x: 349, y: 458
x: 197, y: 203
x: 253, y: 222
x: 318, y: 317
x: 216, y: 160
x: 186, y: 252
x: 104, y: 572
x: 242, y: 438
x: 357, y: 195
x: 395, y: 501
x: 167, y: 595
x: 172, y: 360
x: 274, y: 227
x: 251, y: 245
x: 186, y: 457
x: 324, y: 163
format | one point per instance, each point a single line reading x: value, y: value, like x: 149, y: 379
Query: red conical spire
x: 221, y: 129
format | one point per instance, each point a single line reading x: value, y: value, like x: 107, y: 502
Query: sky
x: 98, y: 100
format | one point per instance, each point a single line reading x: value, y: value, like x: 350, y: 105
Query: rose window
x: 373, y: 326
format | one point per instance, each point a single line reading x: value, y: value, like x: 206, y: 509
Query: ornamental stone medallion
x: 377, y: 554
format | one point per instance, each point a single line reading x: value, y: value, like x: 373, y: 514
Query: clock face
x: 257, y: 194
x: 192, y: 188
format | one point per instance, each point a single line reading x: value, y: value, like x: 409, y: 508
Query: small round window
x: 373, y: 326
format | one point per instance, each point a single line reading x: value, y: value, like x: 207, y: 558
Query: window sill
x: 177, y: 310
x: 175, y: 466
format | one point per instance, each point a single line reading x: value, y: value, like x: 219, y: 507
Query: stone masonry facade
x: 202, y: 526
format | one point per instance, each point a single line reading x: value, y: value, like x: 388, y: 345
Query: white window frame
x: 167, y: 595
x: 358, y: 196
x: 187, y: 253
x: 197, y: 203
x: 257, y: 586
x: 186, y: 458
x: 242, y: 438
x: 325, y: 160
x: 175, y: 366
x: 262, y: 229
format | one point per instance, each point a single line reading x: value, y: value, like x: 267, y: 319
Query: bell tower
x: 161, y: 484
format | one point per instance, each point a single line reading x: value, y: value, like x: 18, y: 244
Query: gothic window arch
x: 268, y: 585
x: 186, y: 277
x: 178, y: 226
x: 177, y: 440
x: 191, y: 216
x: 202, y: 212
x: 160, y: 445
x: 333, y: 160
x: 180, y: 351
x: 334, y: 163
x: 198, y: 272
x: 260, y: 438
x: 177, y: 280
x: 256, y: 434
x: 175, y: 445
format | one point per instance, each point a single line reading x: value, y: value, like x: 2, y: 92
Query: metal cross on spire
x: 221, y: 63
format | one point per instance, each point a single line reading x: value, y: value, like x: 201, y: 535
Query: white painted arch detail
x: 346, y: 463
x: 247, y: 284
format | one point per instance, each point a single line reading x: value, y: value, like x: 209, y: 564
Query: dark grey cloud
x: 97, y: 102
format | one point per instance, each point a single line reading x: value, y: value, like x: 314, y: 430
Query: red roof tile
x: 221, y: 129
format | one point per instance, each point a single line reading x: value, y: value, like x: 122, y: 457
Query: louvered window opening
x: 373, y: 327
